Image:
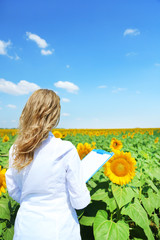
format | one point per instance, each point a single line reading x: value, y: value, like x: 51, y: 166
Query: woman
x: 45, y: 175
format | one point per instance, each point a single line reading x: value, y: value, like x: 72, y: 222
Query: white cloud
x: 0, y: 108
x: 46, y: 52
x: 68, y: 86
x: 132, y: 32
x: 131, y: 54
x: 118, y: 90
x: 65, y: 114
x: 67, y: 66
x: 65, y: 100
x: 102, y: 86
x: 157, y: 64
x: 23, y: 87
x: 40, y: 41
x: 3, y: 47
x: 11, y: 106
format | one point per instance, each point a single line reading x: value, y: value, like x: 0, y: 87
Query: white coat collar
x: 50, y: 134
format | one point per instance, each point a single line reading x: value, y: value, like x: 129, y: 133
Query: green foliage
x: 137, y: 213
x: 8, y: 207
x: 122, y: 195
x: 106, y: 229
x: 130, y: 211
x: 8, y: 211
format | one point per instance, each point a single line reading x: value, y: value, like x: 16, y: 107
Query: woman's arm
x: 78, y: 192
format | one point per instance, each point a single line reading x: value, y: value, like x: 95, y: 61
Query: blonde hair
x: 40, y: 114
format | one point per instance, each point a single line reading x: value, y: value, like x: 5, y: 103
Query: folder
x: 93, y: 162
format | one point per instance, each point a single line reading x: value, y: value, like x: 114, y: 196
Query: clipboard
x: 93, y: 162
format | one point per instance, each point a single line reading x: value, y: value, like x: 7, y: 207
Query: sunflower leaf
x: 8, y: 234
x: 100, y: 194
x: 4, y: 210
x: 150, y: 183
x: 122, y: 195
x: 87, y: 221
x: 148, y: 205
x: 137, y: 213
x: 105, y: 229
x: 155, y: 199
x: 156, y: 220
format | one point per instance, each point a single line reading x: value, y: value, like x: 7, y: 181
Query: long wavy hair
x: 40, y: 114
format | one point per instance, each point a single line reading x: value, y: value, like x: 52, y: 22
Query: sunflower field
x: 125, y: 192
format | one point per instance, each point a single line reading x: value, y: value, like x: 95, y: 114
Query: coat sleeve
x: 78, y: 192
x: 11, y: 180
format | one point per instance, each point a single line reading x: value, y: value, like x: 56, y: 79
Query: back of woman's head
x: 40, y: 114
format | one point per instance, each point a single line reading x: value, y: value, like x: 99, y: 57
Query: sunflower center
x: 115, y: 144
x: 120, y: 167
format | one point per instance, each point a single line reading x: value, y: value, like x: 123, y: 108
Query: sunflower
x: 156, y: 140
x: 13, y: 134
x: 5, y: 138
x: 84, y: 149
x: 124, y: 136
x: 150, y: 132
x: 64, y: 135
x: 120, y: 168
x: 116, y: 144
x: 2, y: 181
x: 57, y: 134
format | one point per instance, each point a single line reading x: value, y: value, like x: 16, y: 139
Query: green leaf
x: 87, y: 221
x: 155, y: 173
x: 111, y: 203
x: 8, y: 234
x: 156, y: 220
x: 100, y: 194
x: 135, y: 182
x: 4, y: 210
x: 155, y: 199
x: 157, y: 156
x: 148, y: 204
x: 105, y: 229
x: 123, y: 195
x: 143, y: 154
x: 150, y: 183
x: 0, y: 228
x: 137, y: 213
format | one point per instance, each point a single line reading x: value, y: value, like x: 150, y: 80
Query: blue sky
x: 101, y: 57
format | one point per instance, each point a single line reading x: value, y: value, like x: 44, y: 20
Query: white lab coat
x: 48, y: 190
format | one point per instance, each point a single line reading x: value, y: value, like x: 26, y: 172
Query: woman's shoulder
x: 62, y: 145
x: 66, y: 145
